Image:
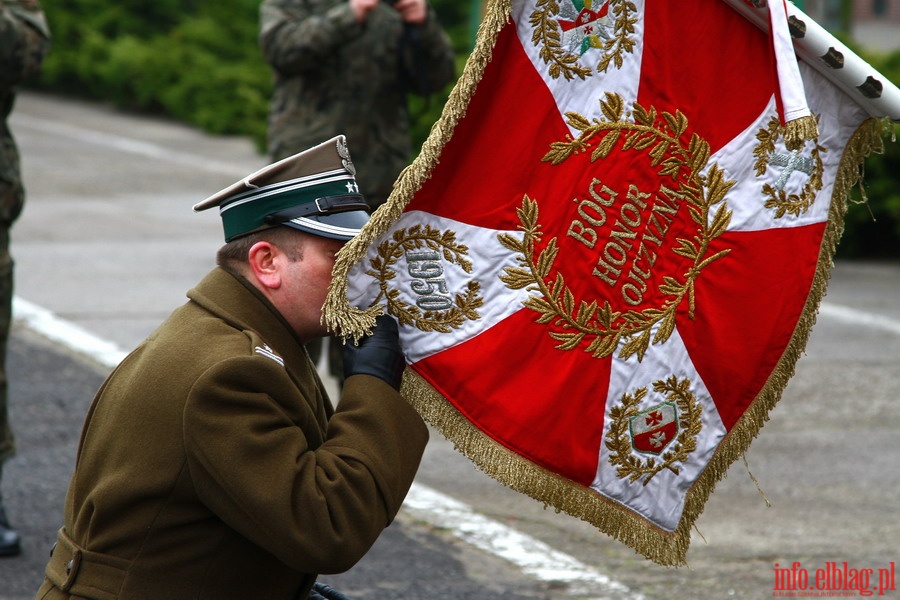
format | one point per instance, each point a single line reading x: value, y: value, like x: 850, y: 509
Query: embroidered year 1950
x: 427, y: 253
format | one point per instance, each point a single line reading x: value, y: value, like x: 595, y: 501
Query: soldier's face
x: 306, y: 283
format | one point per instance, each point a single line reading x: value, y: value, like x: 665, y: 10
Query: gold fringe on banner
x: 511, y: 469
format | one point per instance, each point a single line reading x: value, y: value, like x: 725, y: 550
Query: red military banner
x: 607, y: 259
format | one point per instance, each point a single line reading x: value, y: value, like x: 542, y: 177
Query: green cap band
x: 248, y: 211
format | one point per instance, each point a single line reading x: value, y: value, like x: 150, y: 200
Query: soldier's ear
x: 264, y: 260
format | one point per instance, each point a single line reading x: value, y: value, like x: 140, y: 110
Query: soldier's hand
x: 361, y: 8
x: 378, y: 354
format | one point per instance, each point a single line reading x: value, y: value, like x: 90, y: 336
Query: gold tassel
x: 756, y: 482
x: 799, y: 131
x: 700, y: 533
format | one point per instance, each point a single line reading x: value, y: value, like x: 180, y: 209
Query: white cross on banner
x: 609, y: 254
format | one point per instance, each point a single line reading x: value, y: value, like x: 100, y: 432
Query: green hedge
x: 194, y: 60
x: 198, y: 61
x: 872, y: 224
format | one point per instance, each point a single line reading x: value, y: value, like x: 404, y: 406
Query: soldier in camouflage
x: 24, y: 40
x: 346, y: 67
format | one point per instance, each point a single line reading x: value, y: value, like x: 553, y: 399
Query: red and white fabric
x: 746, y: 321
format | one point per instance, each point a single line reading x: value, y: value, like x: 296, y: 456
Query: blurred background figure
x: 24, y: 40
x: 348, y: 66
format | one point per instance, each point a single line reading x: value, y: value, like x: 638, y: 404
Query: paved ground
x: 108, y: 242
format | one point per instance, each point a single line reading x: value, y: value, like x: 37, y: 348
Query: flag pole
x: 831, y: 58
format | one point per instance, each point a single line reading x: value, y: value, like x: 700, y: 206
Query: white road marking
x: 125, y: 144
x: 69, y: 335
x: 532, y: 556
x: 845, y: 314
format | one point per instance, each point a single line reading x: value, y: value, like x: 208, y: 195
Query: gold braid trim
x: 351, y: 321
x: 522, y: 475
x: 610, y: 517
x: 798, y: 131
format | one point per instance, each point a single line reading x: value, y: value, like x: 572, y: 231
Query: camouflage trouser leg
x: 7, y: 444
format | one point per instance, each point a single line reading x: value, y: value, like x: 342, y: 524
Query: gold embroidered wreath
x: 779, y: 200
x: 600, y: 325
x: 418, y: 237
x: 547, y: 35
x: 618, y: 439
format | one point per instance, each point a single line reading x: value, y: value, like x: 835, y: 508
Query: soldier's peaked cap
x: 314, y: 191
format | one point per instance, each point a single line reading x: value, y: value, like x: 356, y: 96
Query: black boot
x: 9, y: 538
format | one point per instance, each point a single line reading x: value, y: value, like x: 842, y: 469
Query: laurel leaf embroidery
x: 577, y: 121
x: 516, y: 278
x: 606, y: 146
x: 697, y: 193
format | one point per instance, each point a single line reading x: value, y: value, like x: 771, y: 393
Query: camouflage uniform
x: 24, y: 40
x: 334, y: 76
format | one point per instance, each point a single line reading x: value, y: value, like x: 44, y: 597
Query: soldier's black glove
x: 378, y: 354
x: 321, y: 591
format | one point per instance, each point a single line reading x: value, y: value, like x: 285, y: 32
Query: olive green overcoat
x: 212, y: 466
